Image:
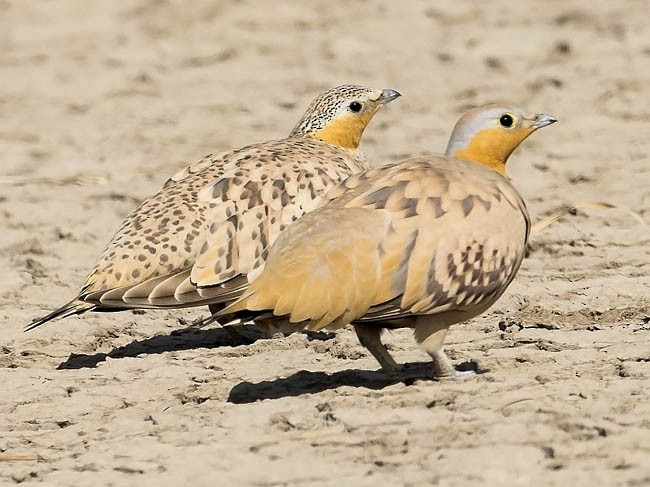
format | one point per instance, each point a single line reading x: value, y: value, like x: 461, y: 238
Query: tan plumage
x: 196, y: 240
x: 424, y: 243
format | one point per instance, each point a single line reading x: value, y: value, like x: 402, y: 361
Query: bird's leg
x: 273, y: 327
x: 370, y: 337
x: 430, y: 334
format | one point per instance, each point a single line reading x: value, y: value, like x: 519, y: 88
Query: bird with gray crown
x: 424, y: 243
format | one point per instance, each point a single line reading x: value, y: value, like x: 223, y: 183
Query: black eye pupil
x: 355, y: 106
x: 506, y: 120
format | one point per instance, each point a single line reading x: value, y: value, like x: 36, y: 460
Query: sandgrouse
x: 196, y: 240
x: 424, y: 243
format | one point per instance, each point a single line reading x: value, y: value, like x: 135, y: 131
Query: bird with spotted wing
x: 424, y: 243
x: 196, y: 241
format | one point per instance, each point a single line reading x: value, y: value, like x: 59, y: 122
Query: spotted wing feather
x: 211, y: 224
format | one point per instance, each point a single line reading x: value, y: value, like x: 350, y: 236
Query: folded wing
x: 420, y: 237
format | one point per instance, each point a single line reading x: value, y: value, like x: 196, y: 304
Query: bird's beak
x: 388, y: 95
x: 543, y: 120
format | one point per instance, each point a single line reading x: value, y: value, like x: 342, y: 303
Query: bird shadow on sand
x: 306, y: 382
x: 184, y: 339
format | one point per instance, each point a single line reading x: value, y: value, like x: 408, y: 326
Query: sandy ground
x: 101, y: 101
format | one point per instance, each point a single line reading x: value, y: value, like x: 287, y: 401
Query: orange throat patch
x: 492, y: 147
x: 344, y: 131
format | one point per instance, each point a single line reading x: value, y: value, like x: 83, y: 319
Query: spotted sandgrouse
x: 196, y: 240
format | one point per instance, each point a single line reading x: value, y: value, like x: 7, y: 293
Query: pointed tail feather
x: 74, y: 307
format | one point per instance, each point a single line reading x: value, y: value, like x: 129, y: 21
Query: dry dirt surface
x: 100, y: 102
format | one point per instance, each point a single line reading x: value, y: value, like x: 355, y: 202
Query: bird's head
x: 488, y: 134
x: 339, y: 116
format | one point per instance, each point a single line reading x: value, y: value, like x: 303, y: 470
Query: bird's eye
x: 506, y: 120
x: 355, y: 106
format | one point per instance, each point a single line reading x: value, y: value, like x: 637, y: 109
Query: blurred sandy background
x: 101, y: 101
